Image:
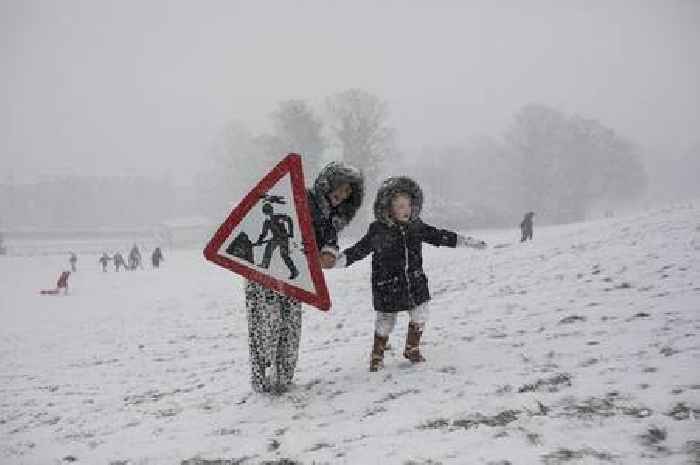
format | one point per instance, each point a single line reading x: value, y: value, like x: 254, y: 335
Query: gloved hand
x: 328, y: 256
x: 327, y: 260
x: 469, y: 241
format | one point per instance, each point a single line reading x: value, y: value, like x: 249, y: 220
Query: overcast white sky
x: 143, y: 87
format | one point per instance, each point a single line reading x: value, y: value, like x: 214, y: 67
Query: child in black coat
x: 395, y: 241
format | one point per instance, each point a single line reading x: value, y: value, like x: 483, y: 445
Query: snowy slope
x: 580, y: 347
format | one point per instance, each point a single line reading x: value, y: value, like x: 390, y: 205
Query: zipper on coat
x: 405, y: 269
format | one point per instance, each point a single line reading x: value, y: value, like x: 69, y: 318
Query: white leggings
x: 385, y: 322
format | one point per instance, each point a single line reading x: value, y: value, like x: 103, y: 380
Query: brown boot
x: 412, y: 351
x: 377, y: 358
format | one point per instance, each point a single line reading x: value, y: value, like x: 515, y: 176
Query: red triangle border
x: 290, y: 164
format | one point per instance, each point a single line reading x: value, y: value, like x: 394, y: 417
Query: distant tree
x: 296, y: 129
x: 359, y: 123
x: 565, y: 164
x: 237, y: 161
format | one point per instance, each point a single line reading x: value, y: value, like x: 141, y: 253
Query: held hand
x: 327, y: 260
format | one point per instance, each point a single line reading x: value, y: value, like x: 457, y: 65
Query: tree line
x: 561, y: 166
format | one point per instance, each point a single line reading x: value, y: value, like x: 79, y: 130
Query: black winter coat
x: 327, y: 220
x: 324, y: 229
x: 398, y: 280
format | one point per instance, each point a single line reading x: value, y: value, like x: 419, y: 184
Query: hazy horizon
x: 99, y: 88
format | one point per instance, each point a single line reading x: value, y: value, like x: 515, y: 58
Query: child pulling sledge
x: 399, y: 283
x: 62, y: 283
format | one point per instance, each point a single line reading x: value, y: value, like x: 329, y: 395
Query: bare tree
x: 296, y: 129
x: 237, y: 162
x: 566, y: 164
x: 359, y: 122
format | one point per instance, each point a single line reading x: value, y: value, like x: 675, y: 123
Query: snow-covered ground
x: 581, y: 347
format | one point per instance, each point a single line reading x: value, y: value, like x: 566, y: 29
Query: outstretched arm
x: 438, y: 237
x: 445, y: 238
x: 358, y: 251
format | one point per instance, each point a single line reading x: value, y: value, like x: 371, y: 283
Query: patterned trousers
x: 274, y: 330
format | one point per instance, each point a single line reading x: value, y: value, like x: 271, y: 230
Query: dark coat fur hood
x: 391, y: 187
x: 331, y: 176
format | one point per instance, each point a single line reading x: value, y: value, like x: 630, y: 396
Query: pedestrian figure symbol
x: 281, y: 227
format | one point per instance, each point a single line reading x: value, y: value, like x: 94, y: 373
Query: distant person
x: 157, y: 257
x: 135, y: 258
x: 104, y: 260
x: 73, y: 261
x: 62, y: 283
x: 526, y: 227
x: 119, y: 261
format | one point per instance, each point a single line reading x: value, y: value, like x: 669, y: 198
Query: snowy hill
x: 581, y: 347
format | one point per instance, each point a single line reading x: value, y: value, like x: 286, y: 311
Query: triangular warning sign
x: 269, y: 237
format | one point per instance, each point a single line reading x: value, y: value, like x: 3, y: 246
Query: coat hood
x: 391, y: 187
x: 331, y: 176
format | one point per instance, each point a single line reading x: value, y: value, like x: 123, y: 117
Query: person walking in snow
x: 399, y: 283
x: 73, y: 261
x: 157, y: 257
x: 104, y: 260
x: 119, y: 261
x: 62, y: 283
x: 274, y: 319
x: 526, y: 227
x: 135, y: 258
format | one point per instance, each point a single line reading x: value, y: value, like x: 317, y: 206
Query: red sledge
x: 62, y: 283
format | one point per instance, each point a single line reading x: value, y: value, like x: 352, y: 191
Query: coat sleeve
x: 362, y: 248
x: 324, y: 231
x: 438, y: 237
x: 329, y: 241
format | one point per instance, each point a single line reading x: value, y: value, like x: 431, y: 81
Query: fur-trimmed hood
x: 391, y: 187
x: 331, y: 176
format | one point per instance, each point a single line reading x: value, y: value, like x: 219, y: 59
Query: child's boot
x: 377, y: 358
x: 412, y: 351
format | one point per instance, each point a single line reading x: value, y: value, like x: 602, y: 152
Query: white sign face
x: 268, y: 239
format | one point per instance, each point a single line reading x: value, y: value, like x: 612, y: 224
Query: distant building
x: 185, y: 232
